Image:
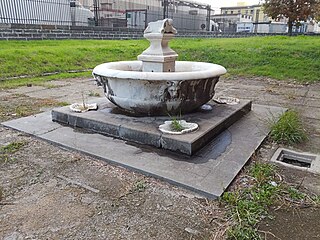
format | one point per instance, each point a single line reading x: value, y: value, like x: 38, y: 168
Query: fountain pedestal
x: 159, y: 57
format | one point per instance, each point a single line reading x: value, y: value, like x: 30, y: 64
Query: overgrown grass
x: 249, y: 205
x: 288, y: 129
x: 260, y: 188
x: 277, y: 57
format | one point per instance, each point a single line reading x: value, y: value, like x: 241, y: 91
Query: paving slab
x: 145, y: 130
x: 209, y: 172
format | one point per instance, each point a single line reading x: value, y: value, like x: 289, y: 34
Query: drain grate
x: 296, y: 162
x: 295, y: 159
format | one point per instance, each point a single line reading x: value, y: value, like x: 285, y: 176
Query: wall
x: 40, y: 32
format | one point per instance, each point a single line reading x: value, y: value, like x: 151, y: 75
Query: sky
x: 217, y: 4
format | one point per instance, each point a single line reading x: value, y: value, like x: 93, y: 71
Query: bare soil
x: 53, y: 193
x: 38, y: 203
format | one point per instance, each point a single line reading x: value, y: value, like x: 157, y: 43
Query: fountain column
x: 159, y: 57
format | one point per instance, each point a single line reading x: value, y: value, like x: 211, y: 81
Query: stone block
x: 63, y: 27
x: 5, y: 25
x: 48, y: 27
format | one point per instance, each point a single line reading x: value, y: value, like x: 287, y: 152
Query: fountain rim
x: 200, y: 70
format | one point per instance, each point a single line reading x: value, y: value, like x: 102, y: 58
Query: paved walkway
x: 303, y: 98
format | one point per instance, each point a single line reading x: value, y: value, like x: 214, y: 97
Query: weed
x: 94, y: 94
x: 139, y: 186
x: 248, y: 205
x: 288, y: 129
x: 316, y: 199
x: 262, y: 172
x: 9, y: 149
x: 62, y: 104
x: 176, y: 125
x: 295, y: 194
x: 242, y: 232
x: 12, y: 147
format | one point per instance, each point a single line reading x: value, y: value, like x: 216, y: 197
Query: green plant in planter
x: 176, y: 125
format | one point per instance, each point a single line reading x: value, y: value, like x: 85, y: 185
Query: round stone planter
x: 187, y: 127
x: 78, y: 107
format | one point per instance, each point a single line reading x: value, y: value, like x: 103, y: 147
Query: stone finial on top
x: 159, y: 57
x: 161, y: 26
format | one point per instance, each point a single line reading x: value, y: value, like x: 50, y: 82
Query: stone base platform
x: 208, y: 172
x: 110, y: 121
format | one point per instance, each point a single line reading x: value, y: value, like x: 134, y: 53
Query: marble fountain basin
x: 158, y: 93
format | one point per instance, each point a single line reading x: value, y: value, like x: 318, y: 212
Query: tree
x: 293, y: 10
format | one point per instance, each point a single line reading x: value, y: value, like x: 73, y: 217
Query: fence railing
x: 50, y: 12
x: 107, y: 13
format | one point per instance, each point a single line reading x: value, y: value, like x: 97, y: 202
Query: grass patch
x: 247, y: 206
x: 7, y: 150
x: 278, y: 57
x: 40, y: 81
x: 19, y: 105
x: 288, y: 129
x: 249, y: 203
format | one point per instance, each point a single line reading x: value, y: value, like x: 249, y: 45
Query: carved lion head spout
x: 174, y: 89
x: 161, y: 26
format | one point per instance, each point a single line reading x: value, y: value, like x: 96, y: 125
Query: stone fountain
x: 144, y: 94
x: 139, y: 93
x: 157, y: 84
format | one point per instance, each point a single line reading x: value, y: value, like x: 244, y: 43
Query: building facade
x: 187, y: 15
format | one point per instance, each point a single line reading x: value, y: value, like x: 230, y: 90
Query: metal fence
x: 187, y: 15
x: 53, y: 12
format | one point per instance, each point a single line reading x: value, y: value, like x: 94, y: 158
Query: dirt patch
x: 293, y: 223
x: 38, y: 204
x: 20, y: 105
